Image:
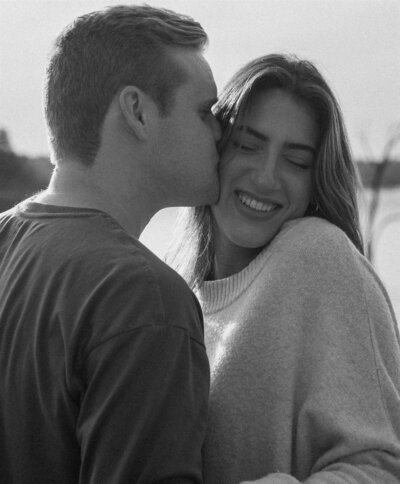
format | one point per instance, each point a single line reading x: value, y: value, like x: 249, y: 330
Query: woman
x: 301, y: 335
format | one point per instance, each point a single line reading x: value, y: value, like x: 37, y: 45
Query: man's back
x: 82, y: 306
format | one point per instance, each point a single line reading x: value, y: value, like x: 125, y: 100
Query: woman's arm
x: 348, y: 383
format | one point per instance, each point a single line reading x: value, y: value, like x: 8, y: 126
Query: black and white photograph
x: 199, y: 242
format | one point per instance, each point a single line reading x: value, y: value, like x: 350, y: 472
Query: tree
x: 5, y: 144
x: 373, y: 229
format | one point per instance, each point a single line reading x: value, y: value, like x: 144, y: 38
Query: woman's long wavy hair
x: 335, y: 180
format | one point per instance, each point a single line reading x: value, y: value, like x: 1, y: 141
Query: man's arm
x: 144, y: 409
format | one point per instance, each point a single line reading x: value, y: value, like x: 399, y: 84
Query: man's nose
x: 216, y: 127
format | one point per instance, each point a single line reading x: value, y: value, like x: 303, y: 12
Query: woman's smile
x: 256, y: 204
x: 265, y: 172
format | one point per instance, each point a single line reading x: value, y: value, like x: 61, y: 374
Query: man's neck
x: 76, y: 185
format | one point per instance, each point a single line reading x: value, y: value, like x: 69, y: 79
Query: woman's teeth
x: 256, y: 204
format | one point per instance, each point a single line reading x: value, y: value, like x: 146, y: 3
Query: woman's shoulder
x: 320, y: 250
x: 317, y: 246
x: 315, y: 236
x: 312, y: 228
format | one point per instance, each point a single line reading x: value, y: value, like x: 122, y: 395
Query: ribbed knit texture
x: 215, y: 295
x: 305, y: 366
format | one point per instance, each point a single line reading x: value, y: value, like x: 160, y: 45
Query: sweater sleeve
x: 143, y: 414
x: 143, y: 377
x: 348, y: 417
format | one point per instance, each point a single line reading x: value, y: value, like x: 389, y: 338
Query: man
x: 104, y: 375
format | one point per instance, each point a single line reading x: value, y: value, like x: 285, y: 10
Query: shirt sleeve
x: 144, y: 409
x: 349, y: 364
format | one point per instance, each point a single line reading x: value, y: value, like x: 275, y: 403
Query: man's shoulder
x: 128, y: 269
x: 133, y: 289
x: 146, y: 289
x: 99, y: 275
x: 178, y: 305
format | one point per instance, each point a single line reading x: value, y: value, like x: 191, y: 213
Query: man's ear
x: 136, y: 107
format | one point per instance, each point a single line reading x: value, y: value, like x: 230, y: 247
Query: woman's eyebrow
x: 253, y: 132
x: 301, y: 146
x: 263, y: 137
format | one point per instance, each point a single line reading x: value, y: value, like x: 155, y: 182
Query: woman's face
x: 265, y: 171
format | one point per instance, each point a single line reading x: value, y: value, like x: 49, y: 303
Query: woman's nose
x: 267, y: 173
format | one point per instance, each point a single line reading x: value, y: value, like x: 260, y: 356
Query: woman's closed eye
x: 298, y: 163
x: 303, y: 161
x: 245, y: 147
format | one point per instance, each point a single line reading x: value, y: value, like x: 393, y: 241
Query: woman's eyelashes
x: 243, y: 146
x: 299, y: 162
x: 293, y: 160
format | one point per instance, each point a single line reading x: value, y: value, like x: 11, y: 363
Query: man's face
x: 185, y: 138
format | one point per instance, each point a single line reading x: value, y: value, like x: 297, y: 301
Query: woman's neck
x: 230, y: 259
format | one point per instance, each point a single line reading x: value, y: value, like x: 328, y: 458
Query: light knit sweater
x: 305, y: 366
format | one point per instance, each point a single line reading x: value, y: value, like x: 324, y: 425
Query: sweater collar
x: 215, y: 295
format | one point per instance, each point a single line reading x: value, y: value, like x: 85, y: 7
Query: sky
x: 354, y: 43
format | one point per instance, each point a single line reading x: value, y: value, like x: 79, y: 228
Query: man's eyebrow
x: 262, y: 137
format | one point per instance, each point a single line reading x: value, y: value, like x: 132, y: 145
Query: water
x: 387, y: 238
x: 387, y: 241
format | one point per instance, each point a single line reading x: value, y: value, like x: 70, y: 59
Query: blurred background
x: 355, y: 43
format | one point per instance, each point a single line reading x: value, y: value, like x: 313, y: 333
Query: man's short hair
x: 99, y: 54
